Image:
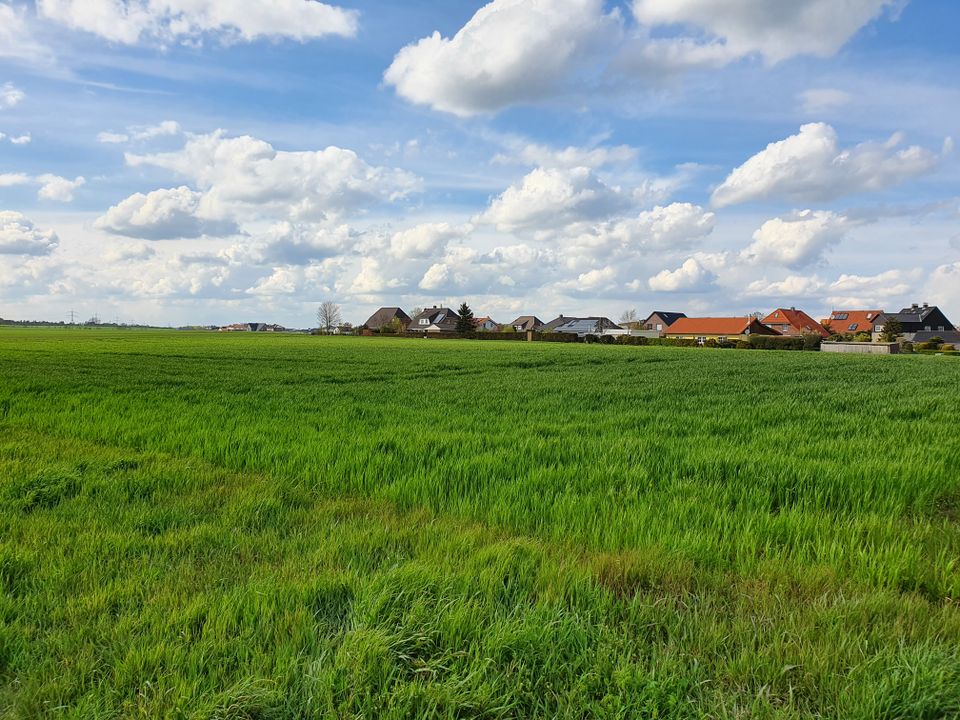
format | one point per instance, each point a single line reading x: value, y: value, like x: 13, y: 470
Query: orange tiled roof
x: 853, y: 321
x: 797, y: 319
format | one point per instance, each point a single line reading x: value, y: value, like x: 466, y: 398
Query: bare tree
x: 629, y: 316
x: 328, y: 315
x: 416, y: 311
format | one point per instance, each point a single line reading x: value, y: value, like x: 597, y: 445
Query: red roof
x: 713, y: 326
x: 853, y: 321
x: 797, y: 321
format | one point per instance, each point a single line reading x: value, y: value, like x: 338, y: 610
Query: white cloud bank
x: 19, y: 236
x: 796, y: 241
x: 164, y: 214
x: 52, y: 187
x: 132, y: 21
x: 811, y: 165
x: 522, y: 51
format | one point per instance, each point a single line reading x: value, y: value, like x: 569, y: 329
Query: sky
x: 179, y: 162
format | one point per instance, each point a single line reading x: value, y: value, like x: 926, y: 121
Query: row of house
x: 918, y: 323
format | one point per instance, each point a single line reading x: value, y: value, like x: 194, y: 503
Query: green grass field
x: 271, y: 526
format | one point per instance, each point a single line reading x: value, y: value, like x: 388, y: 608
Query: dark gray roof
x: 555, y: 323
x: 529, y: 322
x: 586, y: 326
x: 668, y: 317
x: 385, y: 316
x: 444, y: 317
x: 948, y: 336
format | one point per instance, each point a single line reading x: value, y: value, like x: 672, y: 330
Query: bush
x: 906, y: 346
x: 948, y: 347
x: 607, y: 339
x: 812, y: 341
x: 589, y: 338
x: 743, y: 345
x: 776, y: 342
x: 862, y: 337
x: 558, y: 337
x: 632, y: 340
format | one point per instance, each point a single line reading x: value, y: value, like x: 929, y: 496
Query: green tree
x: 465, y: 322
x: 892, y: 329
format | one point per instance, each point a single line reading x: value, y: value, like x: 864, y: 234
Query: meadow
x: 199, y: 525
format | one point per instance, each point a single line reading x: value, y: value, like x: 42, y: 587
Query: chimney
x: 792, y: 308
x: 914, y: 307
x: 925, y: 305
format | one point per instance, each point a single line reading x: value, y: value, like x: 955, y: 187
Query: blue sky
x: 188, y: 161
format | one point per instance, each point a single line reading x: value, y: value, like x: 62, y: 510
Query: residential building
x: 916, y: 319
x: 586, y: 326
x: 659, y: 320
x: 387, y: 316
x: 526, y: 322
x: 721, y: 329
x: 555, y: 323
x: 485, y: 324
x: 843, y: 322
x: 790, y: 321
x: 435, y: 320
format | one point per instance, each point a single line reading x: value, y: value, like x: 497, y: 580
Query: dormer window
x: 424, y: 321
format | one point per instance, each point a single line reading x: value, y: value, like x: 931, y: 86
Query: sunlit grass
x: 203, y: 525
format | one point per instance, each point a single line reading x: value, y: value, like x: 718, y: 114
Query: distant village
x: 848, y: 330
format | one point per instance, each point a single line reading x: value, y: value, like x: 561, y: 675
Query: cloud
x: 691, y: 276
x: 165, y: 214
x: 590, y: 282
x: 794, y: 286
x: 246, y: 176
x: 672, y: 227
x: 423, y: 241
x: 140, y: 132
x: 436, y: 276
x: 10, y: 96
x: 129, y: 252
x: 523, y: 51
x: 510, y: 51
x: 16, y: 39
x: 188, y: 21
x: 52, y: 187
x: 818, y: 100
x: 552, y: 198
x: 60, y: 189
x: 296, y: 244
x: 569, y: 157
x: 796, y: 241
x: 19, y: 139
x: 774, y: 29
x: 19, y: 236
x: 943, y: 289
x: 811, y: 166
x: 370, y: 279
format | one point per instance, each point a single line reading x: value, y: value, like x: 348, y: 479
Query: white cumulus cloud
x: 19, y: 236
x: 811, y: 165
x: 692, y: 276
x: 510, y: 51
x: 796, y: 241
x: 551, y: 198
x: 140, y: 132
x: 10, y: 96
x: 244, y: 175
x: 164, y: 214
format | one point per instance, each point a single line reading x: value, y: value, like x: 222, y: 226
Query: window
x: 841, y: 316
x: 878, y: 328
x: 424, y: 321
x: 722, y: 338
x: 853, y: 326
x: 940, y: 328
x: 926, y: 327
x: 776, y: 314
x: 701, y: 340
x: 659, y: 327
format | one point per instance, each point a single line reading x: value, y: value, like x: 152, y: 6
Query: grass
x: 244, y: 526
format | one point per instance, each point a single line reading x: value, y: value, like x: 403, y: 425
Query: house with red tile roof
x: 790, y: 321
x: 721, y: 329
x: 485, y: 324
x: 842, y: 322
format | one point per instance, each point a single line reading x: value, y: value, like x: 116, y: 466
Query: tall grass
x: 277, y: 526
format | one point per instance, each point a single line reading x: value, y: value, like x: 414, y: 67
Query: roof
x: 481, y: 320
x: 797, y: 319
x: 384, y: 316
x: 668, y: 317
x: 916, y: 313
x: 585, y: 326
x: 715, y: 326
x: 441, y: 316
x: 847, y: 321
x: 948, y: 336
x: 555, y: 323
x: 528, y: 322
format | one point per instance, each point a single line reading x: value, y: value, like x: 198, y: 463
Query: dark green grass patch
x: 307, y: 527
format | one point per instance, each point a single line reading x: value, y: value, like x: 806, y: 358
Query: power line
x: 73, y: 317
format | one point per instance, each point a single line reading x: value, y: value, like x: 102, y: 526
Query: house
x: 790, y: 321
x: 434, y: 320
x: 843, y: 322
x: 585, y: 326
x: 485, y: 324
x: 916, y: 319
x: 387, y: 316
x: 659, y: 320
x: 600, y: 324
x: 720, y: 329
x: 526, y: 322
